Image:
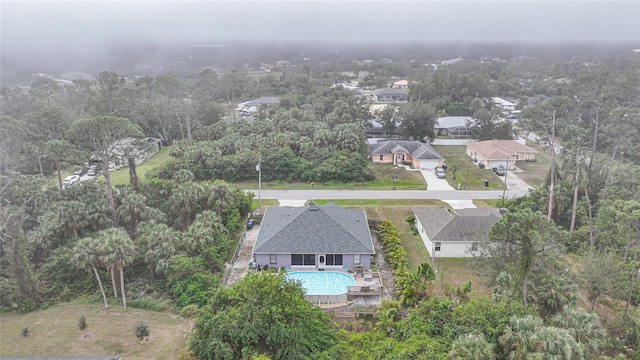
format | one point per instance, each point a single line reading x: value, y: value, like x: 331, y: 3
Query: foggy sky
x: 54, y: 25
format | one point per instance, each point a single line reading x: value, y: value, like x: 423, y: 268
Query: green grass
x: 121, y: 176
x: 475, y: 179
x: 537, y: 172
x: 406, y: 180
x: 54, y: 332
x: 457, y: 271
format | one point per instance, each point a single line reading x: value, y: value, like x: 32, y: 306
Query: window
x: 303, y: 259
x: 356, y: 259
x: 474, y: 246
x: 381, y: 157
x: 334, y: 259
x: 309, y: 259
x: 438, y: 245
x: 296, y: 259
x: 273, y: 259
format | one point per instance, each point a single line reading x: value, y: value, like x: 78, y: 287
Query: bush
x: 82, y: 323
x: 141, y: 329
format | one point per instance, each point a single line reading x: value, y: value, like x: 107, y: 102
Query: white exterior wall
x: 447, y: 248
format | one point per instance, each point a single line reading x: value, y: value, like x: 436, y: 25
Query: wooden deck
x: 367, y: 284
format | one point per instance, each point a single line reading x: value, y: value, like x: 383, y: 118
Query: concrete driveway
x: 514, y: 182
x: 433, y: 182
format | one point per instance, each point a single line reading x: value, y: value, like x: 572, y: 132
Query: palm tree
x: 133, y: 209
x: 118, y: 251
x: 471, y: 347
x: 86, y: 254
x: 520, y: 336
x: 554, y: 293
x: 72, y: 214
x: 557, y: 344
x: 220, y: 196
x: 585, y: 328
x: 157, y: 242
x: 182, y: 176
x: 183, y: 199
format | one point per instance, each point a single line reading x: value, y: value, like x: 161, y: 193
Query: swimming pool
x: 323, y: 282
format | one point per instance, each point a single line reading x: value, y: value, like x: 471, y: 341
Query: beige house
x: 420, y: 155
x: 496, y: 153
x: 401, y: 84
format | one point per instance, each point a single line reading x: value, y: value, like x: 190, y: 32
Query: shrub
x: 82, y: 323
x: 141, y: 329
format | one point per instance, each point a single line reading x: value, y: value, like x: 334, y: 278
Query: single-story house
x: 454, y: 233
x: 496, y: 153
x: 455, y: 127
x: 503, y: 104
x: 139, y: 149
x: 420, y: 155
x: 400, y: 84
x: 265, y: 100
x: 390, y: 95
x: 314, y: 238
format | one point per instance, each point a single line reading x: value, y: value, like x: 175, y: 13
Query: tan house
x: 400, y: 84
x: 420, y: 155
x: 496, y: 153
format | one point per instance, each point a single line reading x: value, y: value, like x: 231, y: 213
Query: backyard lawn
x: 54, y: 332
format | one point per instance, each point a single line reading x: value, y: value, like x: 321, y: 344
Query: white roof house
x: 503, y: 104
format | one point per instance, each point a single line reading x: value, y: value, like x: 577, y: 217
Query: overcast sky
x: 46, y: 24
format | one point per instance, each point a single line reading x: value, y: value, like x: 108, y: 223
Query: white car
x: 70, y: 180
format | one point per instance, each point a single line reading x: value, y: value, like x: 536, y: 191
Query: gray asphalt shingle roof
x: 328, y: 229
x: 417, y: 149
x: 463, y: 225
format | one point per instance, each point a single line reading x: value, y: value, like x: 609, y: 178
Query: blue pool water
x: 323, y: 282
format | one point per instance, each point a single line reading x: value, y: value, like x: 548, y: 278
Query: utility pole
x: 259, y: 168
x: 506, y: 171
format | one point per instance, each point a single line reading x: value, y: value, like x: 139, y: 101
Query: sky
x: 43, y: 25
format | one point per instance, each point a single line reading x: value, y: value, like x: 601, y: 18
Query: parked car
x: 70, y: 180
x: 440, y: 173
x: 80, y: 172
x: 93, y: 170
x: 499, y: 171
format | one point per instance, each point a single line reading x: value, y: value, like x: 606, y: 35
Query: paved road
x: 386, y: 194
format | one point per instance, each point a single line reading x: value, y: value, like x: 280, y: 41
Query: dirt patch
x: 388, y: 283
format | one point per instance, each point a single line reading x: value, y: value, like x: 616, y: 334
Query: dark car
x: 499, y: 171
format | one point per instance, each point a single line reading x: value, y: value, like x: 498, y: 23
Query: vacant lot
x: 54, y: 332
x: 384, y: 173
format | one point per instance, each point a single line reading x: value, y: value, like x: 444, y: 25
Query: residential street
x: 386, y: 194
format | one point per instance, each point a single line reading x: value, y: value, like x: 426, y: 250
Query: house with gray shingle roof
x: 314, y: 237
x: 454, y: 233
x: 420, y: 155
x: 390, y: 95
x: 456, y: 127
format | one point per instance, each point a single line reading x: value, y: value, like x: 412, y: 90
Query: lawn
x: 121, y: 176
x: 468, y: 172
x: 536, y: 172
x: 384, y: 173
x: 54, y: 332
